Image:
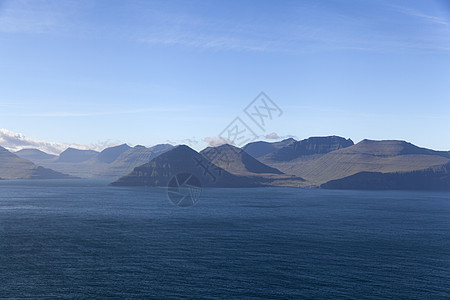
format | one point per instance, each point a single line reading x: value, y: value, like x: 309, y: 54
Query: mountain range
x: 112, y: 162
x: 323, y: 162
x: 15, y: 167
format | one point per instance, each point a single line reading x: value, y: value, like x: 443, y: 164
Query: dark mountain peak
x: 179, y: 153
x: 110, y: 154
x: 76, y: 155
x: 183, y: 159
x: 310, y: 146
x: 139, y: 147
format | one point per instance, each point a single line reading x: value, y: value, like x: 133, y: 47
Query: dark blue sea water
x: 84, y: 239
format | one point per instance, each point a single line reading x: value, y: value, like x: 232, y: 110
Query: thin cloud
x: 30, y: 17
x: 425, y: 17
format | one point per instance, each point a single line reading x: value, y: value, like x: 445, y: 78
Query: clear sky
x: 148, y: 72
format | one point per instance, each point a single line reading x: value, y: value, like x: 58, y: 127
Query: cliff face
x: 311, y: 146
x: 183, y: 159
x: 366, y: 156
x: 259, y: 149
x: 433, y: 178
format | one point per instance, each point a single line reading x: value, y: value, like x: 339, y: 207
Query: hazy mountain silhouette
x: 15, y: 167
x: 112, y: 153
x: 111, y: 162
x: 72, y: 155
x: 132, y: 158
x: 34, y: 154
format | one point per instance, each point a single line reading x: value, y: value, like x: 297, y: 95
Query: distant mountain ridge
x: 34, y: 154
x: 310, y: 146
x: 15, y: 167
x: 111, y: 162
x: 325, y: 162
x: 72, y: 155
x: 110, y: 154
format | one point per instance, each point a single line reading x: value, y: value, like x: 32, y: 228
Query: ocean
x: 85, y: 239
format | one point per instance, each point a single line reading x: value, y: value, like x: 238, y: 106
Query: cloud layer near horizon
x: 17, y: 141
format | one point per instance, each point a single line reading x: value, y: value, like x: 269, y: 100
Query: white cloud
x: 273, y: 136
x: 216, y: 141
x: 16, y: 141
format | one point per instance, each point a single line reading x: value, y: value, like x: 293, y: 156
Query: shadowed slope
x: 433, y: 178
x: 182, y: 159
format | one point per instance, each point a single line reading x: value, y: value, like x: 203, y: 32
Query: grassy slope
x: 372, y: 156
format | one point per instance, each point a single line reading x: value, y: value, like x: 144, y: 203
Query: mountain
x: 15, y: 167
x: 34, y: 154
x: 434, y: 178
x: 132, y: 158
x: 259, y: 149
x: 366, y: 156
x: 236, y: 161
x: 112, y: 153
x: 307, y: 147
x: 72, y: 155
x: 183, y: 159
x: 112, y: 162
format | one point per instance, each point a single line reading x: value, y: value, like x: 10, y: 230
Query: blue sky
x: 146, y: 72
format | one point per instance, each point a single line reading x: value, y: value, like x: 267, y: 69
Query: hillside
x: 238, y: 162
x: 434, y: 178
x: 366, y: 156
x: 183, y: 159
